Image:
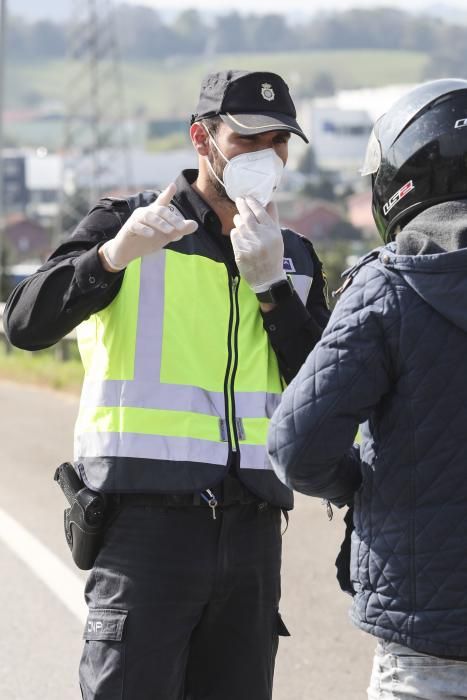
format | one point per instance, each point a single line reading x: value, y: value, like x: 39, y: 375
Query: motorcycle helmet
x: 417, y: 153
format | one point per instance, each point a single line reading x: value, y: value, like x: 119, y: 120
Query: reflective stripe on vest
x: 156, y: 361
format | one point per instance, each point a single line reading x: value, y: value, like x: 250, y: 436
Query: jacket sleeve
x: 344, y: 378
x: 68, y: 288
x: 294, y: 328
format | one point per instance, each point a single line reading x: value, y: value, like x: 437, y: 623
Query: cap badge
x: 267, y: 92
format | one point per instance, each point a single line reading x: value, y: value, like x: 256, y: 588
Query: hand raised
x: 258, y: 244
x: 146, y: 231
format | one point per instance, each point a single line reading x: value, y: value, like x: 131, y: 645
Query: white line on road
x: 61, y: 580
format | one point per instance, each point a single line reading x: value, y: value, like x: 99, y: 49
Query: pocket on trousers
x: 102, y: 667
x: 105, y: 624
x: 400, y: 670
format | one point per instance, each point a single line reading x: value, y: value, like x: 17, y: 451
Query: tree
x: 190, y: 32
x: 334, y: 256
x: 17, y: 39
x: 268, y: 33
x: 324, y: 189
x: 323, y: 85
x: 143, y: 34
x: 47, y: 40
x: 307, y: 163
x: 230, y: 32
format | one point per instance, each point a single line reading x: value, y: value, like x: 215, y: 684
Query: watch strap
x: 277, y: 292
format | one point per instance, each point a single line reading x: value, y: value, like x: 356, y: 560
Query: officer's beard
x: 218, y: 165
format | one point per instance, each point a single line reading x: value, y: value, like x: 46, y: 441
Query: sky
x: 59, y: 9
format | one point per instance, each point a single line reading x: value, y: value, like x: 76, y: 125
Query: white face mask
x: 256, y: 174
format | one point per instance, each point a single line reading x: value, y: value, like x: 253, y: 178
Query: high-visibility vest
x: 179, y: 373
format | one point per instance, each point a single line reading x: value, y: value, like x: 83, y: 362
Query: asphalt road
x: 40, y: 640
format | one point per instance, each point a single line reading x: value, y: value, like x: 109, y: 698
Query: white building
x: 339, y: 126
x: 46, y: 174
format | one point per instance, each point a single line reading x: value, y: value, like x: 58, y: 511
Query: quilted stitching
x: 390, y: 358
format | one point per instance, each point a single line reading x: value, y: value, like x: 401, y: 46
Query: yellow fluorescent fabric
x: 147, y: 421
x: 256, y: 430
x: 194, y: 353
x: 258, y: 369
x: 107, y: 340
x: 196, y: 322
x: 195, y: 347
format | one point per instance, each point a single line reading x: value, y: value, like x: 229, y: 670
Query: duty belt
x: 231, y: 492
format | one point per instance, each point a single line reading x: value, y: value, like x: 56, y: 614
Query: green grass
x: 170, y: 88
x: 41, y: 368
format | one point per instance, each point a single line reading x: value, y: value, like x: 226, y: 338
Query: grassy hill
x: 170, y: 88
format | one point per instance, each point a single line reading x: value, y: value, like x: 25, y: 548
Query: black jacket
x: 72, y: 285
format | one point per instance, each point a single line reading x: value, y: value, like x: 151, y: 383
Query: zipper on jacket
x: 232, y: 363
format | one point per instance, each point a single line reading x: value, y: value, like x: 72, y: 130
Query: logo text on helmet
x: 460, y: 123
x: 267, y: 92
x: 400, y: 194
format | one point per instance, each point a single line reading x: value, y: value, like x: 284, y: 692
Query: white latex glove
x: 258, y: 244
x: 147, y: 230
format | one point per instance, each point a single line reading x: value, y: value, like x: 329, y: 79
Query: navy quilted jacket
x: 394, y: 356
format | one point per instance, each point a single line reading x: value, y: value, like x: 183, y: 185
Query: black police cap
x: 248, y: 102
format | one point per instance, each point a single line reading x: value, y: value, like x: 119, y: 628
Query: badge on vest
x: 288, y: 265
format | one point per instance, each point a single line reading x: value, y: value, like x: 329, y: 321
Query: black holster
x: 86, y: 519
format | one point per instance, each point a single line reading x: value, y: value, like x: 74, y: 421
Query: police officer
x: 193, y: 308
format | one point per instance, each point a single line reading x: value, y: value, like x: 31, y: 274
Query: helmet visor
x: 372, y: 159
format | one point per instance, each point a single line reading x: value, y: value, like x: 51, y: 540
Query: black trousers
x: 184, y: 607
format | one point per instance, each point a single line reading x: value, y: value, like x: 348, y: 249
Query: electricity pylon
x: 96, y: 150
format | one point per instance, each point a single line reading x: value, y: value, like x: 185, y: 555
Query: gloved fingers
x: 165, y: 196
x: 163, y: 227
x: 140, y: 229
x: 242, y: 243
x: 177, y: 235
x: 160, y: 218
x: 244, y: 232
x: 273, y: 212
x: 183, y: 225
x: 153, y: 216
x: 238, y: 241
x: 247, y: 215
x: 260, y: 213
x: 174, y: 217
x: 189, y: 226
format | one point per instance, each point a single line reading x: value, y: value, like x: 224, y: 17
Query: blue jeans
x: 400, y: 673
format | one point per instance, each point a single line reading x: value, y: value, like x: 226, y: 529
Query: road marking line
x: 58, y: 577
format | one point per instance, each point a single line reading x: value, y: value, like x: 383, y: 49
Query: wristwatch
x: 277, y: 292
